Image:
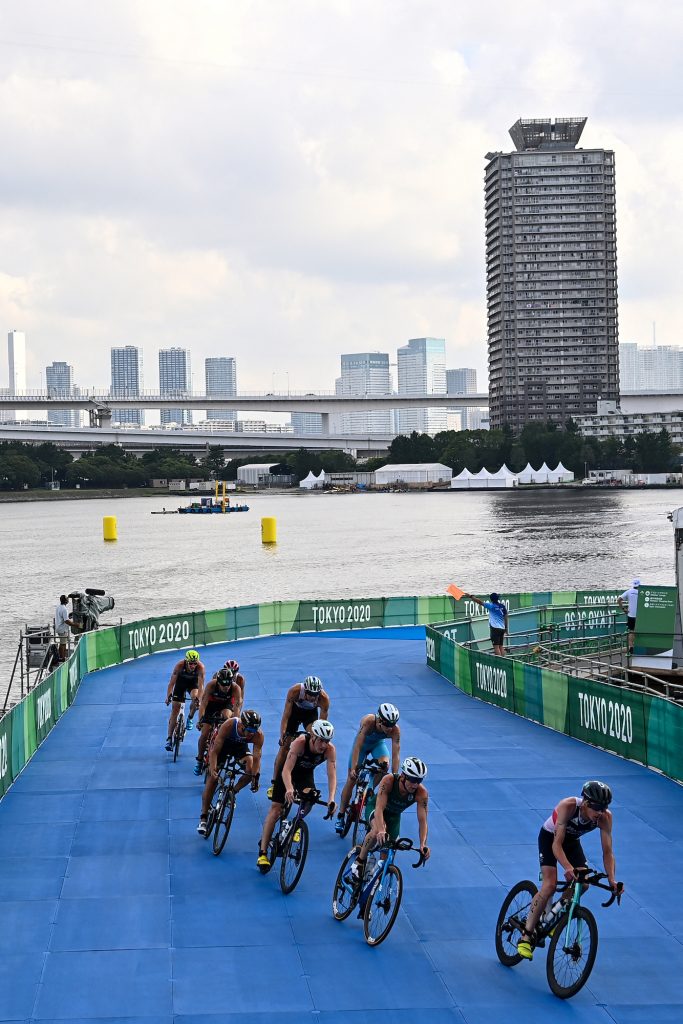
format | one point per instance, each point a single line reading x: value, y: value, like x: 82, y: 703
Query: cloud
x: 283, y: 183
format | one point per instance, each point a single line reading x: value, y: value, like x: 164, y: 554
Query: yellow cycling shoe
x: 525, y: 949
x: 263, y: 863
x: 269, y: 792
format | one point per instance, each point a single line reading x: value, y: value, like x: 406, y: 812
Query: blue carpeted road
x: 112, y: 907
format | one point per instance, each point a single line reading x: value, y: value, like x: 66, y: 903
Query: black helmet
x: 598, y: 794
x: 250, y: 719
x: 224, y: 676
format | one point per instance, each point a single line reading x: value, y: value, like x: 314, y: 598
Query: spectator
x: 62, y: 623
x: 498, y: 620
x: 628, y: 603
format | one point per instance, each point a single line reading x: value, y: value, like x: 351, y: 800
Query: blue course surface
x: 112, y: 907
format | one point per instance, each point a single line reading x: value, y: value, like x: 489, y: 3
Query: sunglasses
x: 250, y: 730
x: 596, y: 807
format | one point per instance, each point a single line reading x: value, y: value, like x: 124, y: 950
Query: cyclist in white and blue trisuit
x: 373, y: 738
x: 559, y: 841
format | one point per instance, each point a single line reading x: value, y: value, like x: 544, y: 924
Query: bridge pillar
x: 100, y: 417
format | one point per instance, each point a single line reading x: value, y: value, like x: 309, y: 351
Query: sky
x: 284, y: 182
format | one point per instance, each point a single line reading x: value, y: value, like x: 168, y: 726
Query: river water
x: 329, y: 545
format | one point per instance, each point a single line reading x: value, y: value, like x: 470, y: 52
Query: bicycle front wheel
x: 511, y: 920
x: 382, y: 906
x: 294, y: 857
x: 572, y: 953
x: 226, y: 809
x: 360, y: 825
x: 177, y: 740
x: 345, y: 895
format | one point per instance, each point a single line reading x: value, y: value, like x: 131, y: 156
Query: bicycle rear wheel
x: 224, y: 814
x: 345, y: 895
x: 294, y: 857
x: 572, y: 953
x: 382, y: 906
x: 511, y: 920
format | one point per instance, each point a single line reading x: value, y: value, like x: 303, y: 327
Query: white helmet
x: 388, y: 714
x: 414, y: 769
x: 313, y: 684
x: 323, y: 729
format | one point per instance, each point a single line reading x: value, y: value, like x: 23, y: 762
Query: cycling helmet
x: 597, y: 793
x: 224, y: 676
x: 323, y: 729
x: 250, y: 719
x: 414, y: 769
x: 388, y: 714
x: 233, y: 666
x: 313, y: 684
x: 192, y: 656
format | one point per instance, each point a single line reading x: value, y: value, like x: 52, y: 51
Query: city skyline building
x: 220, y: 373
x: 174, y: 379
x: 16, y: 370
x: 650, y: 368
x: 461, y: 381
x: 551, y: 275
x: 59, y: 382
x: 421, y: 368
x: 306, y: 422
x: 126, y: 381
x: 363, y: 373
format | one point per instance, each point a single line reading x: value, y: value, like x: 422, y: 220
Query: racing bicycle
x: 355, y: 812
x: 222, y: 806
x: 571, y: 928
x: 378, y: 892
x: 290, y: 839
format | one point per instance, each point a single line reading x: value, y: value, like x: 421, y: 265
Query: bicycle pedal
x: 269, y: 792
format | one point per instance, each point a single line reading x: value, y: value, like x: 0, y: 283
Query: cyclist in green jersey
x: 394, y: 795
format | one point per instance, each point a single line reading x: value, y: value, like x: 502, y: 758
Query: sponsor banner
x: 457, y: 632
x: 247, y: 621
x: 492, y: 680
x: 43, y: 709
x: 287, y: 612
x: 655, y: 623
x: 528, y: 692
x: 349, y: 614
x: 608, y: 716
x: 102, y: 647
x: 462, y: 675
x: 582, y: 621
x: 664, y: 736
x: 522, y: 628
x: 434, y: 646
x: 161, y: 634
x: 5, y: 752
x: 555, y: 686
x: 400, y: 611
x: 210, y: 627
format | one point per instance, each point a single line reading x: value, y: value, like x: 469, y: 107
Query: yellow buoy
x: 269, y: 530
x: 109, y: 527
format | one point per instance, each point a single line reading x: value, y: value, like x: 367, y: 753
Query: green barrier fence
x: 29, y: 722
x: 637, y: 726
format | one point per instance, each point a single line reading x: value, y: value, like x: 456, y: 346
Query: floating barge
x: 206, y: 506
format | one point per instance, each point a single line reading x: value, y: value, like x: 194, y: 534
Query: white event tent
x: 309, y: 482
x: 418, y: 473
x: 560, y: 475
x: 461, y: 482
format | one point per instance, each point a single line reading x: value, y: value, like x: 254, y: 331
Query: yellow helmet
x: 192, y: 656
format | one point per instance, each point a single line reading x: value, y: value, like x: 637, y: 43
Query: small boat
x: 200, y: 508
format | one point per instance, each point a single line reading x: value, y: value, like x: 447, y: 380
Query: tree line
x: 24, y: 465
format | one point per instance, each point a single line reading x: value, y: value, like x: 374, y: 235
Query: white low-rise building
x: 609, y: 421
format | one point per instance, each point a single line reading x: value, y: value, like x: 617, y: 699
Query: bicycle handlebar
x: 590, y: 877
x: 403, y: 845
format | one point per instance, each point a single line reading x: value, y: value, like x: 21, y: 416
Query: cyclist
x: 187, y: 677
x: 306, y: 752
x: 371, y: 738
x: 396, y: 792
x: 560, y: 841
x: 222, y: 699
x: 238, y: 677
x: 305, y: 702
x: 233, y: 740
